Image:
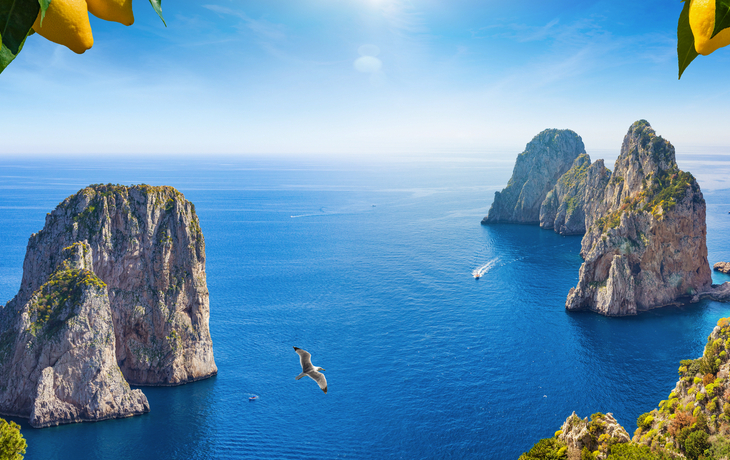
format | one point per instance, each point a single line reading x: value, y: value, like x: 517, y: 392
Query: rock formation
x: 700, y: 397
x: 722, y: 267
x: 141, y: 256
x: 546, y: 158
x: 563, y: 208
x: 57, y: 361
x: 695, y: 414
x: 644, y: 246
x: 597, y: 434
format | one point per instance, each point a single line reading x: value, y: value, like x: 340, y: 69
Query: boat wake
x: 481, y: 271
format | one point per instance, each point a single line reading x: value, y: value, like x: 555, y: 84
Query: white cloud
x: 368, y: 64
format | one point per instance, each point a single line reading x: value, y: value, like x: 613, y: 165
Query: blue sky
x: 364, y: 77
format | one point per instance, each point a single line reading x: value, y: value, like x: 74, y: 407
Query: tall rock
x: 563, y: 208
x: 546, y: 158
x: 57, y: 350
x: 145, y: 243
x: 644, y: 245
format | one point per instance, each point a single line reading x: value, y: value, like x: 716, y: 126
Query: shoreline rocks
x: 722, y: 267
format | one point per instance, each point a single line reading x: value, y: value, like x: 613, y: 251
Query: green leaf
x: 722, y: 16
x: 16, y: 19
x: 44, y: 6
x: 686, y: 51
x: 7, y: 56
x: 157, y: 5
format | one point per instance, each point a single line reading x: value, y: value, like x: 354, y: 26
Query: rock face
x: 597, y: 434
x: 563, y: 208
x: 699, y: 400
x: 139, y: 310
x: 146, y: 245
x: 644, y: 245
x: 698, y: 408
x: 546, y: 158
x: 723, y: 267
x: 57, y: 361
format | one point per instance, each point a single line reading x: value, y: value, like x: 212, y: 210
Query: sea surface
x: 367, y: 264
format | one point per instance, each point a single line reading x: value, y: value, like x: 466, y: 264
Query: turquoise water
x: 367, y: 265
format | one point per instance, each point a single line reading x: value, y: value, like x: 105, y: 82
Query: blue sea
x: 367, y: 263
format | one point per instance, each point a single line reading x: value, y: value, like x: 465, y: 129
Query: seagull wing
x: 305, y: 359
x: 319, y: 378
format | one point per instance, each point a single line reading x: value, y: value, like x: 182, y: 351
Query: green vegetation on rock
x: 547, y: 449
x: 65, y: 286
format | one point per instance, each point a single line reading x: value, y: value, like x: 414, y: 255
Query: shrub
x: 630, y: 451
x: 720, y: 448
x: 683, y: 435
x: 12, y: 444
x: 700, y: 397
x: 697, y: 380
x: 708, y: 379
x: 546, y: 449
x: 681, y: 420
x: 710, y: 389
x: 695, y: 444
x: 645, y: 420
x: 586, y: 454
x: 701, y: 423
x: 694, y: 366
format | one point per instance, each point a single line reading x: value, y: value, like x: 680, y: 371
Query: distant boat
x: 477, y: 275
x: 253, y: 398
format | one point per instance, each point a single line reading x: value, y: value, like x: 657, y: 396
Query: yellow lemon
x: 702, y: 23
x: 112, y: 10
x: 67, y: 23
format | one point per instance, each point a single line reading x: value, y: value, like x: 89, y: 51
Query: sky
x: 364, y: 77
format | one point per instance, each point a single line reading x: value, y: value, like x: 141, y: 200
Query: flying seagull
x: 305, y: 359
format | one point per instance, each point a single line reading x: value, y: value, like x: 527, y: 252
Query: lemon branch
x: 61, y: 21
x: 703, y: 27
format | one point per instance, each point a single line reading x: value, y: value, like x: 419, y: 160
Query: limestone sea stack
x: 147, y: 246
x: 645, y: 240
x: 113, y: 292
x: 546, y: 158
x: 564, y: 207
x: 57, y: 361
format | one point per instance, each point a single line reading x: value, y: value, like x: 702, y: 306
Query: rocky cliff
x: 140, y: 279
x: 57, y: 360
x: 693, y: 422
x: 564, y: 207
x: 546, y: 158
x: 644, y: 245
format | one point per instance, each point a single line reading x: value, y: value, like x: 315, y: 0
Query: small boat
x: 253, y: 398
x: 477, y: 275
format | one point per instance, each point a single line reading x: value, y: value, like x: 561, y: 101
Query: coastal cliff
x: 124, y: 269
x: 645, y: 240
x: 693, y: 422
x: 546, y: 158
x: 57, y: 361
x: 564, y: 207
x: 147, y: 246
